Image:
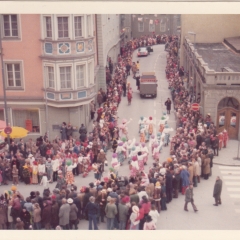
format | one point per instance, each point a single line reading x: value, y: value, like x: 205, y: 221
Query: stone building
x: 210, y: 55
x: 50, y: 64
x: 146, y: 24
x: 109, y: 37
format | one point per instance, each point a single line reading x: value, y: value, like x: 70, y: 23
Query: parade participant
x: 129, y: 96
x: 134, y: 167
x: 115, y: 163
x: 141, y: 157
x: 144, y: 149
x: 140, y: 123
x: 123, y: 128
x: 35, y: 173
x: 142, y: 135
x: 156, y: 153
x: 150, y: 124
x: 167, y: 131
x: 152, y: 141
x: 220, y: 136
x: 120, y: 153
x: 225, y: 138
x: 69, y: 173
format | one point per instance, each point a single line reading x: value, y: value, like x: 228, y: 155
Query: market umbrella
x: 2, y: 125
x: 17, y: 132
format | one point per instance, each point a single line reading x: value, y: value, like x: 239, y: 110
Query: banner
x: 28, y: 124
x: 140, y: 19
x: 151, y: 21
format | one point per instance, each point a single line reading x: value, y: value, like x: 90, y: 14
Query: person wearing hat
x: 26, y: 218
x: 134, y: 215
x: 189, y: 198
x: 123, y: 212
x: 64, y: 214
x: 73, y: 219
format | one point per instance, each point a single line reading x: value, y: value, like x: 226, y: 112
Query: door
x: 228, y: 119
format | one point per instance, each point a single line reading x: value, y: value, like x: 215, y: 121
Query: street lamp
x: 3, y: 79
x: 193, y: 33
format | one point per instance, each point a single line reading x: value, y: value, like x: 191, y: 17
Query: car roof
x: 142, y: 49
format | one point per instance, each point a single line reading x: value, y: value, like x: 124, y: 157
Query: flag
x: 151, y: 21
x: 140, y: 19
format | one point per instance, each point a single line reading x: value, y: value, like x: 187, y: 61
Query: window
x: 10, y: 25
x: 62, y: 27
x: 50, y: 77
x: 90, y: 73
x: 151, y: 27
x: 140, y: 26
x: 28, y: 119
x: 65, y: 77
x: 48, y: 25
x: 162, y: 27
x: 78, y: 26
x: 80, y: 76
x: 89, y: 26
x: 2, y: 117
x: 13, y: 74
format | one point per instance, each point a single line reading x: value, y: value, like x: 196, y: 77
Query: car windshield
x: 142, y: 49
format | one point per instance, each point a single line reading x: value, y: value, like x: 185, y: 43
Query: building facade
x: 213, y: 67
x: 109, y: 38
x: 146, y: 24
x: 51, y: 70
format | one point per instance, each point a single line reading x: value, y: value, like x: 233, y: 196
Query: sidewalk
x: 226, y: 155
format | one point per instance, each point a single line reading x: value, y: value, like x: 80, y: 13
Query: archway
x: 228, y: 116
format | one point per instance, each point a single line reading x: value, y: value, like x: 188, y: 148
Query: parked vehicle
x: 144, y: 51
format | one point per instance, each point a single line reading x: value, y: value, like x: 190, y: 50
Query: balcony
x: 72, y: 97
x: 67, y: 49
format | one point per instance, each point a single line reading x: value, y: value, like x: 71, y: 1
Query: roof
x: 234, y: 43
x: 218, y: 56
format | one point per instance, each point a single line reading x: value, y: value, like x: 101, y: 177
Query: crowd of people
x: 132, y: 202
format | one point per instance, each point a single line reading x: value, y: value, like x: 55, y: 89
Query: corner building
x: 51, y: 70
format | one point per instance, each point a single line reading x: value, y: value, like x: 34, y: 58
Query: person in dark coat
x: 25, y: 217
x: 137, y: 78
x: 63, y: 131
x: 217, y: 191
x: 46, y: 215
x: 163, y: 197
x: 73, y: 215
x: 176, y: 183
x: 169, y: 180
x: 168, y: 105
x: 54, y: 211
x: 86, y: 197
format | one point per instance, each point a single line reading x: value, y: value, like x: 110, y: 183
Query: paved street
x: 209, y: 217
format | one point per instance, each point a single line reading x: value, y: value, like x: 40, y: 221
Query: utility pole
x: 3, y: 79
